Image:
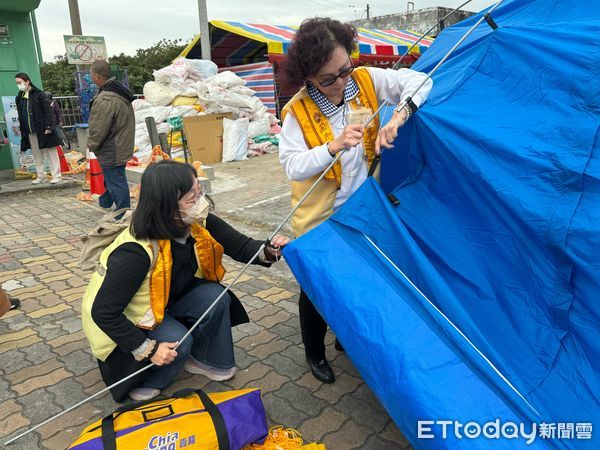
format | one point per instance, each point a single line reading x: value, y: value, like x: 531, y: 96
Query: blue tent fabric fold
x: 498, y: 177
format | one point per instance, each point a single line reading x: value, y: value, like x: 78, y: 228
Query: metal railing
x: 71, y: 110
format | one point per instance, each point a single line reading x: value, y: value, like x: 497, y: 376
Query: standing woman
x: 316, y: 127
x: 37, y: 128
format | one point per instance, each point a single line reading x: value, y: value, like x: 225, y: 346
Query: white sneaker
x: 142, y: 393
x: 55, y: 180
x: 39, y: 181
x: 192, y: 365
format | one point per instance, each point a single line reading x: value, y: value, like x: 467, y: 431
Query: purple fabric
x: 245, y: 419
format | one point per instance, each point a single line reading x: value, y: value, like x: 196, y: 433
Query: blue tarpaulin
x: 475, y: 299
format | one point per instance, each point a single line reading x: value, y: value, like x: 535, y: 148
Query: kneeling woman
x: 157, y: 278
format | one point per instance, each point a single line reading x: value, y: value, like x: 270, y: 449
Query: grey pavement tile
x: 362, y: 412
x: 5, y: 391
x: 50, y: 330
x: 79, y: 362
x: 28, y: 442
x: 286, y: 366
x: 302, y: 399
x: 66, y: 392
x: 281, y: 412
x: 377, y: 443
x: 38, y: 353
x: 39, y: 405
x: 12, y: 360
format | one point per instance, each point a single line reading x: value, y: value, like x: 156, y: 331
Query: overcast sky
x: 131, y: 24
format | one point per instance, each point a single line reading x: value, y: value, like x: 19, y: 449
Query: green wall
x: 17, y: 54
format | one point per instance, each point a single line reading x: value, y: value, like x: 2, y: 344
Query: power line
x: 328, y: 6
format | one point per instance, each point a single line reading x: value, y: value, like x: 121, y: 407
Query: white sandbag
x: 235, y: 139
x: 160, y: 113
x: 142, y: 140
x: 183, y: 69
x: 226, y: 80
x: 216, y: 100
x: 139, y: 103
x: 159, y: 94
x: 260, y: 126
x: 203, y: 68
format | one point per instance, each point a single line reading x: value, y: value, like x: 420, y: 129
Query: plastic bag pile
x: 191, y: 87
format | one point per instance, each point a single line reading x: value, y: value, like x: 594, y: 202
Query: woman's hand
x: 273, y: 252
x: 165, y: 353
x: 350, y: 137
x: 388, y: 133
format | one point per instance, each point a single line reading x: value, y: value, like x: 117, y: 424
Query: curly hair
x: 313, y: 45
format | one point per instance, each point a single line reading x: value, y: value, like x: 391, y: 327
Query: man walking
x: 112, y: 133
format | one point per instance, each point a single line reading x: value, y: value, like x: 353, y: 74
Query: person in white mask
x: 157, y: 278
x: 37, y: 128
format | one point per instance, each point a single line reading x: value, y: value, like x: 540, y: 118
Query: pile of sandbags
x: 193, y: 87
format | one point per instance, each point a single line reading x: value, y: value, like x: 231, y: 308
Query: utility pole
x: 204, y: 33
x: 368, y: 8
x: 75, y: 25
x: 75, y: 18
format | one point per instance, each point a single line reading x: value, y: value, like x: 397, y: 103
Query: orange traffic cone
x: 96, y: 176
x: 64, y: 165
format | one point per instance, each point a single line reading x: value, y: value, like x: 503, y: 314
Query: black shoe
x: 338, y: 346
x: 14, y: 303
x: 321, y: 370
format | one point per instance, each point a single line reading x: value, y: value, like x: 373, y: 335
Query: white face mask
x: 21, y: 87
x: 197, y: 212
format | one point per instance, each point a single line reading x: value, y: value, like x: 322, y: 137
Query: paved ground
x: 45, y: 362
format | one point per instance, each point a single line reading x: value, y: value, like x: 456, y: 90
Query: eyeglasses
x: 343, y: 74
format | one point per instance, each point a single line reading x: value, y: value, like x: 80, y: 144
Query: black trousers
x: 313, y: 328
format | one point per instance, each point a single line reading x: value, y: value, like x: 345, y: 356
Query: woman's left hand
x: 273, y: 252
x: 388, y: 133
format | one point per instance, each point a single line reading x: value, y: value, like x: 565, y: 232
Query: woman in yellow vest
x: 157, y: 278
x: 324, y: 118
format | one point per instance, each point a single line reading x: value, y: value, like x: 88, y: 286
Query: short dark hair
x: 23, y: 76
x: 157, y: 214
x: 313, y: 45
x: 101, y: 68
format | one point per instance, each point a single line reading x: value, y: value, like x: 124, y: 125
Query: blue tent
x: 475, y: 299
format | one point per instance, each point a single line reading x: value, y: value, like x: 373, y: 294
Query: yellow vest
x: 147, y: 307
x: 316, y: 130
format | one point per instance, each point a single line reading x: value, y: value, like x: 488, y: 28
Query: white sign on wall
x: 85, y: 49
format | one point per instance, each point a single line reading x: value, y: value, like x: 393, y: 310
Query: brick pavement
x: 46, y: 365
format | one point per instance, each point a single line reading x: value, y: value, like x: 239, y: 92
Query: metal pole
x: 75, y: 25
x: 204, y: 32
x: 36, y: 36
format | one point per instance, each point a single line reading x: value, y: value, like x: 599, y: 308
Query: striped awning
x: 235, y: 43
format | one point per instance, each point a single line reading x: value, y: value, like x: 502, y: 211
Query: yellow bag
x: 190, y: 419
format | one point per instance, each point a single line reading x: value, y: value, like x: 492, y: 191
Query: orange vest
x: 316, y: 129
x: 315, y: 125
x: 209, y: 255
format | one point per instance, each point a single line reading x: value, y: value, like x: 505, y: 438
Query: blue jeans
x: 117, y: 189
x: 211, y: 342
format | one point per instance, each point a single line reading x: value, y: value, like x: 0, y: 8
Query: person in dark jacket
x: 57, y: 115
x: 158, y: 278
x: 111, y: 134
x: 37, y: 128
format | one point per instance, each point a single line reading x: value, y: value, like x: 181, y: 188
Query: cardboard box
x: 205, y: 137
